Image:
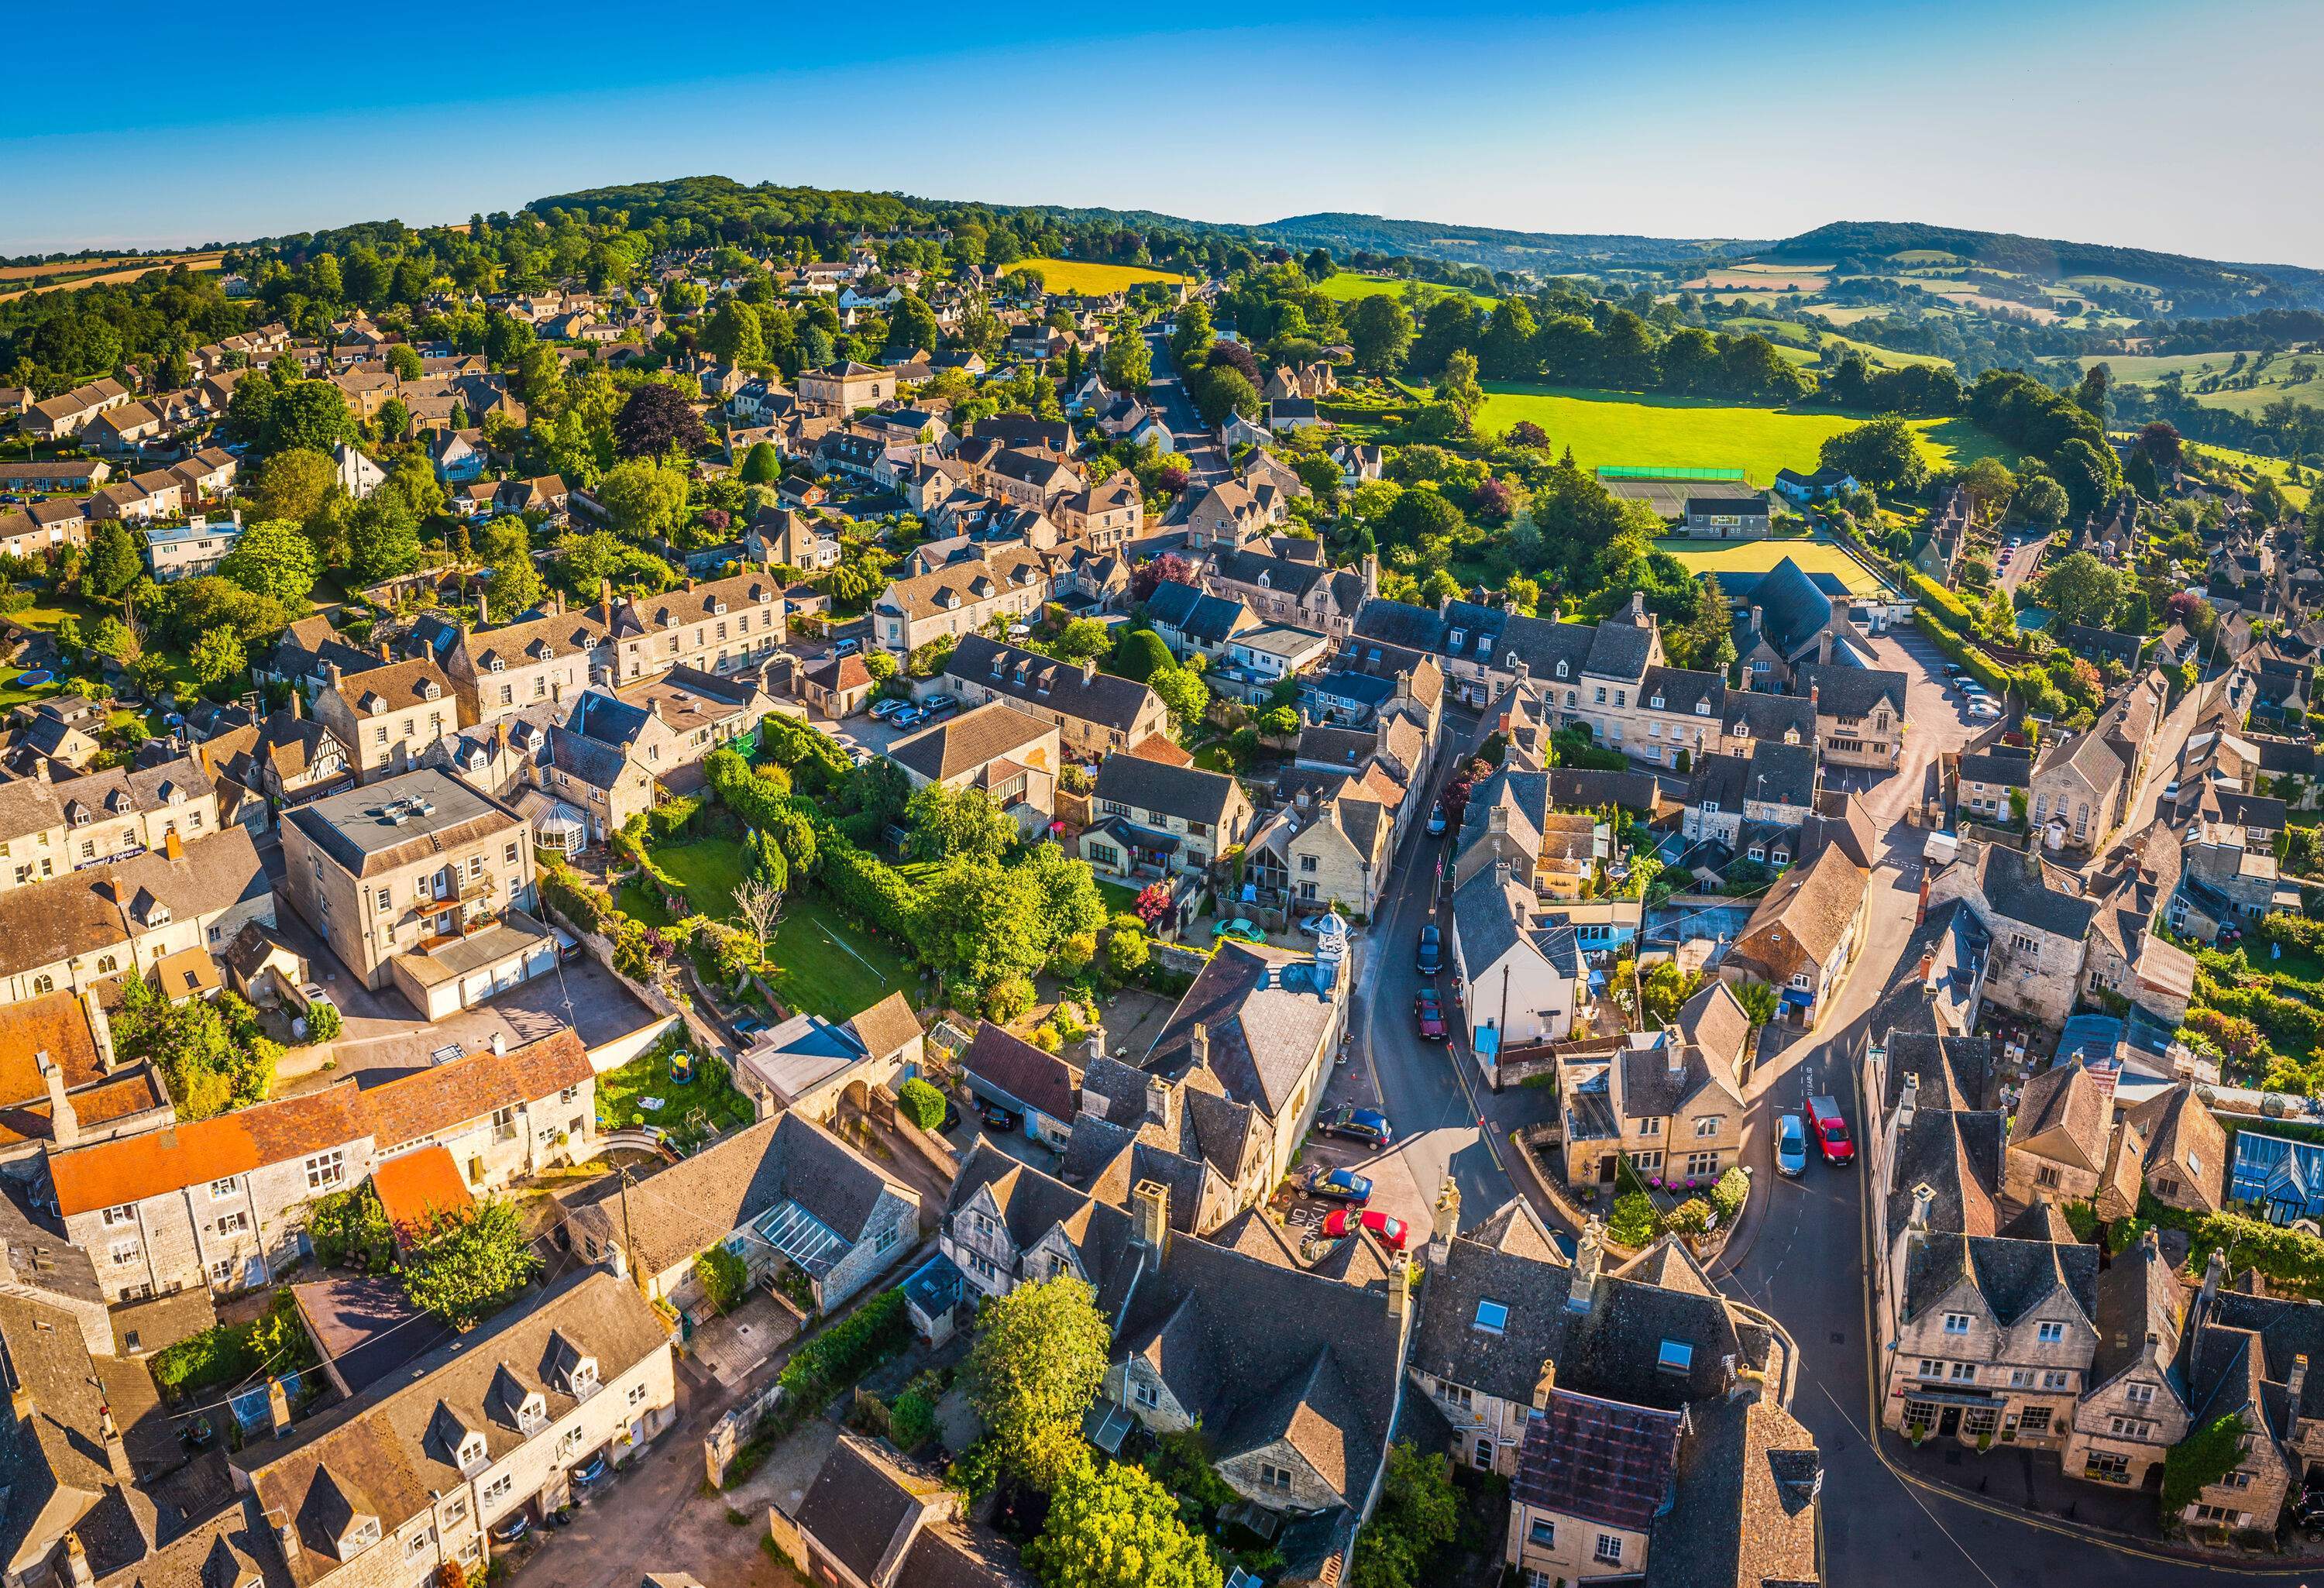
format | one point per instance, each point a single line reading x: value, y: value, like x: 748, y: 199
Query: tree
x: 2089, y: 475
x: 1126, y: 950
x: 656, y: 419
x: 1758, y: 999
x: 1139, y: 654
x: 1883, y: 453
x: 1129, y: 362
x: 272, y: 556
x: 1033, y: 1370
x: 464, y: 1264
x: 2040, y: 500
x: 759, y: 899
x: 1222, y: 392
x: 113, y: 564
x: 1459, y: 386
x: 1419, y: 1513
x: 761, y: 465
x: 382, y: 537
x: 1081, y: 639
x: 1117, y: 1528
x: 1190, y: 331
x: 725, y: 1277
x: 296, y: 486
x: 1184, y: 696
x: 216, y: 657
x: 1380, y: 331
x: 912, y: 325
x: 646, y: 497
x: 311, y: 414
x: 2081, y: 590
x: 1167, y: 569
x: 404, y: 362
x: 946, y: 822
x: 516, y: 587
x: 393, y: 419
x: 211, y: 1053
x: 735, y: 334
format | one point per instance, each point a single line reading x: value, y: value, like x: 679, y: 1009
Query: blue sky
x: 2191, y: 128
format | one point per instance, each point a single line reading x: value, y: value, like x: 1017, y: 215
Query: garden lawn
x: 1118, y: 899
x: 708, y: 869
x: 825, y: 966
x: 1644, y: 430
x: 712, y: 1090
x: 14, y: 694
x: 1092, y: 276
x: 1813, y: 556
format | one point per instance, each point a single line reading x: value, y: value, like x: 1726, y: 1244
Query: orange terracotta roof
x: 419, y: 1106
x: 1155, y: 747
x: 55, y: 1024
x: 134, y: 1091
x: 415, y: 1187
x: 159, y: 1162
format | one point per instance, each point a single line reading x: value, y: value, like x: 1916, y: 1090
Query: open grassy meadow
x: 1090, y: 276
x: 1756, y: 556
x: 1348, y: 289
x: 1650, y: 431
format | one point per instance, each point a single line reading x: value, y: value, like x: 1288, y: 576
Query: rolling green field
x: 1756, y: 556
x: 1804, y: 344
x: 1092, y: 276
x: 2274, y: 382
x: 1615, y: 428
x: 1349, y: 288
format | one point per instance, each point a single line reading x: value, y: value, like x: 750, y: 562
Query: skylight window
x: 1492, y: 1317
x: 1675, y: 1357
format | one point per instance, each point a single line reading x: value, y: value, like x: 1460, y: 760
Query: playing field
x: 1780, y: 277
x: 1756, y: 556
x: 1090, y: 276
x: 1617, y: 429
x: 1348, y: 287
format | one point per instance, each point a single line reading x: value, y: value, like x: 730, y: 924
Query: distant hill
x: 2203, y: 287
x: 1544, y: 252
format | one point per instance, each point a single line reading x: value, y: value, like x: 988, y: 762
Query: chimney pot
x: 1150, y: 1202
x: 1544, y: 1385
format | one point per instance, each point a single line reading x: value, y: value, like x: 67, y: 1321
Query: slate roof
x: 89, y: 912
x: 2012, y: 1277
x: 1032, y: 1204
x: 1851, y: 691
x: 1267, y: 1019
x: 1491, y: 912
x: 1807, y: 909
x: 1791, y: 609
x: 2179, y: 1127
x: 1781, y: 773
x: 1104, y: 699
x: 1999, y: 767
x: 1957, y: 1155
x: 1602, y: 1461
x: 996, y: 1061
x: 699, y: 1201
x: 968, y: 742
x: 1212, y: 1322
x: 1185, y: 791
x: 2066, y: 1101
x: 1749, y: 1483
x: 1203, y: 619
x: 2139, y: 1296
x: 2013, y: 885
x: 353, y: 830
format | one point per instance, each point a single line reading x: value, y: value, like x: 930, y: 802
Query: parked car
x: 2171, y: 789
x: 512, y: 1528
x: 911, y: 717
x: 1832, y: 1131
x: 939, y: 706
x: 1428, y: 1016
x: 1436, y: 821
x: 1791, y: 1144
x: 1983, y: 710
x: 998, y: 1118
x: 1339, y: 1185
x: 1366, y: 1125
x: 847, y: 647
x: 592, y: 1470
x: 886, y: 706
x: 1391, y: 1232
x: 1431, y: 951
x: 1954, y: 670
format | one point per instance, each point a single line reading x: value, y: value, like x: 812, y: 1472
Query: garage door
x: 538, y: 961
x: 476, y: 988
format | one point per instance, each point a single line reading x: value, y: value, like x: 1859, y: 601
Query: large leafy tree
x: 647, y: 498
x: 1128, y: 362
x: 656, y: 419
x: 1117, y: 1528
x: 1883, y: 454
x: 2081, y: 590
x: 1033, y: 1370
x: 382, y: 536
x: 272, y: 556
x: 1420, y: 1514
x: 113, y: 564
x: 298, y: 485
x: 944, y: 822
x: 506, y: 548
x: 980, y: 922
x: 312, y: 414
x: 217, y: 656
x: 1381, y: 330
x: 1184, y: 694
x: 735, y: 334
x: 211, y: 1052
x: 463, y: 1265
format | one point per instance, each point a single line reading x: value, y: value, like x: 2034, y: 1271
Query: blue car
x: 1791, y: 1144
x: 1339, y: 1186
x: 1368, y: 1126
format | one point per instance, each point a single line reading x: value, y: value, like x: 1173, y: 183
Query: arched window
x: 44, y: 984
x: 107, y: 963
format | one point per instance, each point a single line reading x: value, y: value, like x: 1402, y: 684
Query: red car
x: 1429, y: 1015
x: 1831, y: 1131
x: 1388, y: 1231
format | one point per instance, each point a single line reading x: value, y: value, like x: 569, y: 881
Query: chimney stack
x: 1923, y: 1199
x: 2213, y: 1272
x: 386, y: 652
x: 278, y: 1408
x: 1815, y: 693
x: 286, y: 1534
x: 64, y: 1121
x: 1638, y: 608
x: 1149, y: 1201
x: 1089, y: 669
x: 1447, y: 1222
x: 117, y: 1454
x: 1399, y: 1291
x: 1908, y: 1106
x: 1159, y: 1103
x: 1929, y: 970
x: 1200, y: 1042
x: 1754, y: 617
x: 1544, y: 1385
x: 170, y: 846
x: 331, y: 674
x: 20, y: 1402
x: 1674, y: 1055
x: 1587, y: 1256
x: 77, y: 1570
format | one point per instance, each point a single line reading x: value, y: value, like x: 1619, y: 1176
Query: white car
x: 1983, y: 710
x: 2171, y: 789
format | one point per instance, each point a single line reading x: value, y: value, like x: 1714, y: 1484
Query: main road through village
x: 1806, y: 1263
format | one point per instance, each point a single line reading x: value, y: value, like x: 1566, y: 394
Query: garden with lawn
x: 827, y: 968
x: 644, y: 1092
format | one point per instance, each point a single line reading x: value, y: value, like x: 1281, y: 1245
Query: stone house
x: 2036, y: 920
x: 846, y: 387
x: 784, y: 1195
x: 1524, y: 981
x: 1095, y: 713
x: 1859, y: 715
x: 388, y: 716
x: 473, y: 1433
x: 1152, y: 816
x: 2134, y: 1407
x: 873, y: 1519
x: 1668, y: 1102
x: 223, y: 1202
x: 958, y: 599
x: 2186, y: 1156
x: 1005, y: 1225
x: 49, y: 828
x: 85, y: 926
x: 61, y: 1081
x: 1012, y: 756
x: 2058, y: 1139
x: 1310, y: 594
x: 1804, y: 933
x: 1328, y: 848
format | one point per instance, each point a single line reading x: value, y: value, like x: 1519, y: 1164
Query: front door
x: 1607, y: 1168
x: 1949, y: 1422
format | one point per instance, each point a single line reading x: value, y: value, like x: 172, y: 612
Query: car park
x: 1791, y: 1144
x: 1366, y: 1125
x: 1339, y: 1185
x: 1832, y: 1131
x: 1391, y: 1232
x: 1431, y: 951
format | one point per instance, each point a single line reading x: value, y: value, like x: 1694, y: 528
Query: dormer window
x: 359, y: 1537
x: 1458, y: 638
x: 429, y: 689
x: 532, y: 1412
x: 80, y: 816
x: 472, y: 1453
x: 495, y: 664
x: 1561, y: 669
x: 1742, y: 730
x: 1656, y: 702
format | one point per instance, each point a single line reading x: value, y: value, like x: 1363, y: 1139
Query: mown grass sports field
x: 1644, y: 430
x: 1814, y: 556
x: 1348, y: 287
x: 1092, y: 276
